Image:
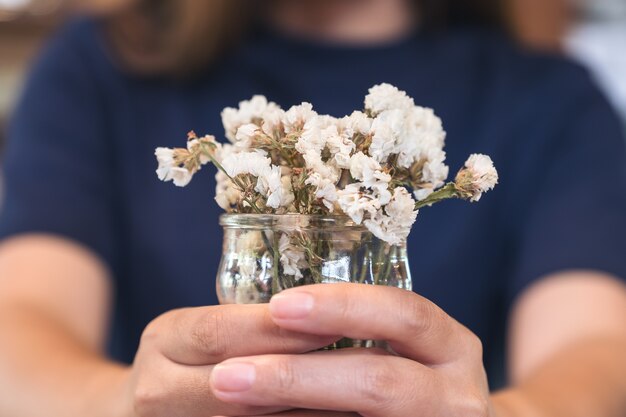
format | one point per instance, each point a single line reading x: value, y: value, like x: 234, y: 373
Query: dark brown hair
x: 181, y: 36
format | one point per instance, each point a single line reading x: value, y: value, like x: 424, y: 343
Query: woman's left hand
x: 437, y: 369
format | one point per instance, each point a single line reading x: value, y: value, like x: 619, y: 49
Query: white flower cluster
x: 249, y: 114
x: 362, y: 165
x: 179, y: 165
x: 256, y: 164
x: 168, y: 171
x: 478, y: 177
x: 292, y: 256
x: 412, y: 133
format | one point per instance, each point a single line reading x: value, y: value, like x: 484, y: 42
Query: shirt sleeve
x: 57, y: 163
x: 576, y: 219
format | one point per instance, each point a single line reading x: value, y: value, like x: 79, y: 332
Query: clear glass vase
x: 265, y: 254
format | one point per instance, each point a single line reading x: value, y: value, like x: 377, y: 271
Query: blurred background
x: 591, y: 31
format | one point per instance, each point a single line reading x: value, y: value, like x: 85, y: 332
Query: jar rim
x: 290, y: 221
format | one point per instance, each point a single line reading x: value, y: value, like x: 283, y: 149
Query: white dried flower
x: 310, y: 140
x: 325, y: 189
x: 423, y: 137
x: 325, y: 120
x: 422, y: 193
x: 245, y: 135
x: 328, y: 195
x: 355, y: 203
x: 247, y: 264
x: 434, y: 174
x: 287, y: 197
x: 226, y: 193
x: 165, y: 158
x: 387, y: 97
x: 393, y: 223
x: 367, y: 170
x: 381, y: 192
x: 195, y: 146
x: 247, y: 291
x: 315, y: 165
x: 269, y: 184
x: 223, y: 151
x: 202, y: 147
x: 478, y: 176
x: 435, y: 171
x: 254, y: 163
x: 358, y: 123
x: 292, y: 257
x: 250, y: 242
x: 319, y: 136
x: 180, y: 176
x: 249, y: 111
x: 269, y: 178
x: 388, y: 131
x: 296, y: 117
x: 273, y: 121
x: 339, y: 146
x: 168, y: 170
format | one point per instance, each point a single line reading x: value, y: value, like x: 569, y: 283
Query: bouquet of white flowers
x: 378, y: 166
x: 317, y: 199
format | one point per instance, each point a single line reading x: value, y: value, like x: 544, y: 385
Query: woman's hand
x: 438, y: 369
x: 170, y: 376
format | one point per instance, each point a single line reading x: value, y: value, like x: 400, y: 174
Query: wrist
x: 111, y: 393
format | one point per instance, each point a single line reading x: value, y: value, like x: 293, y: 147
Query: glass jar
x: 265, y: 254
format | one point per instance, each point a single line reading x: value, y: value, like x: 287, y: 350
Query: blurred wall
x: 17, y: 47
x: 598, y: 39
x: 544, y: 24
x: 23, y: 28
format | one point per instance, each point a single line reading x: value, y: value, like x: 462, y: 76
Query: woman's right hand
x: 170, y: 376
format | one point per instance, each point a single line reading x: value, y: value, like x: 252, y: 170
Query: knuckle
x: 147, y: 399
x: 346, y: 305
x: 474, y: 405
x: 210, y: 335
x: 378, y: 385
x: 420, y: 316
x: 475, y: 346
x: 285, y: 375
x: 154, y: 329
x: 240, y: 410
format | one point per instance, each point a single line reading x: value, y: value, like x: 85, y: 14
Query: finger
x: 355, y: 380
x: 181, y: 390
x: 310, y: 413
x: 414, y: 327
x: 208, y: 335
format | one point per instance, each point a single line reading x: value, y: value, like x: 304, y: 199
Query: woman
x: 90, y: 233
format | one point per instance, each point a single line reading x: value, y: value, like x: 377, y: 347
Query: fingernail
x: 233, y: 377
x: 291, y: 305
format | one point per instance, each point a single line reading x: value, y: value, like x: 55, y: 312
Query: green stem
x: 366, y: 258
x: 234, y: 180
x: 387, y: 265
x: 448, y: 191
x: 353, y: 262
x: 254, y: 207
x: 276, y: 259
x: 312, y: 257
x: 317, y: 276
x: 313, y: 264
x: 380, y: 264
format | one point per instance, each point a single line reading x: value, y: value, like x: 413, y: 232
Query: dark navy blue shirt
x: 80, y: 164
